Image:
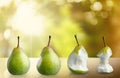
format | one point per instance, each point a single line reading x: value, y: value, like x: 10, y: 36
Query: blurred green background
x: 34, y: 20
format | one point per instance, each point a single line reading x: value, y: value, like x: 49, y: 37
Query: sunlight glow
x: 4, y: 2
x: 97, y: 6
x: 7, y: 33
x: 70, y: 0
x: 90, y: 17
x: 78, y: 1
x: 110, y: 3
x: 26, y: 19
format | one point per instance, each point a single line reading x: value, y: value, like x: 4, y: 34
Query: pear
x: 77, y: 61
x: 49, y: 63
x: 18, y: 62
x: 104, y: 55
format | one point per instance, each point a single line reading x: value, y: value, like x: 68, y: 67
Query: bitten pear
x: 77, y: 61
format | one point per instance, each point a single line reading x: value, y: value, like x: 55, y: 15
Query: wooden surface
x: 64, y: 71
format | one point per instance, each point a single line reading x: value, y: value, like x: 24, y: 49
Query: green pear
x: 18, y: 62
x: 49, y: 63
x: 77, y: 61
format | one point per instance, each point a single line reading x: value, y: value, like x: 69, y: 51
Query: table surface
x: 64, y: 71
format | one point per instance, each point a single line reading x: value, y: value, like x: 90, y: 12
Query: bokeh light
x: 34, y: 20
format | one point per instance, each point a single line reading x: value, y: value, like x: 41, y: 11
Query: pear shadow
x: 9, y: 75
x: 102, y: 73
x: 72, y: 73
x: 46, y: 76
x: 17, y: 76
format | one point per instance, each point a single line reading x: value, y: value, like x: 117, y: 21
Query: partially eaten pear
x: 77, y: 61
x: 104, y: 55
x: 49, y: 63
x: 18, y: 62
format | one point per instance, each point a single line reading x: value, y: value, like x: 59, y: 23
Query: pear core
x: 104, y: 55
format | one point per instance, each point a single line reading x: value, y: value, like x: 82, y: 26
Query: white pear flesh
x: 77, y: 61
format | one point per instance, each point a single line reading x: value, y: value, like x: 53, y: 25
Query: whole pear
x: 49, y: 63
x: 18, y: 62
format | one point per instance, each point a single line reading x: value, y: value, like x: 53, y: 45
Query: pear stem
x: 104, y: 42
x: 18, y: 41
x: 49, y: 40
x: 76, y: 40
